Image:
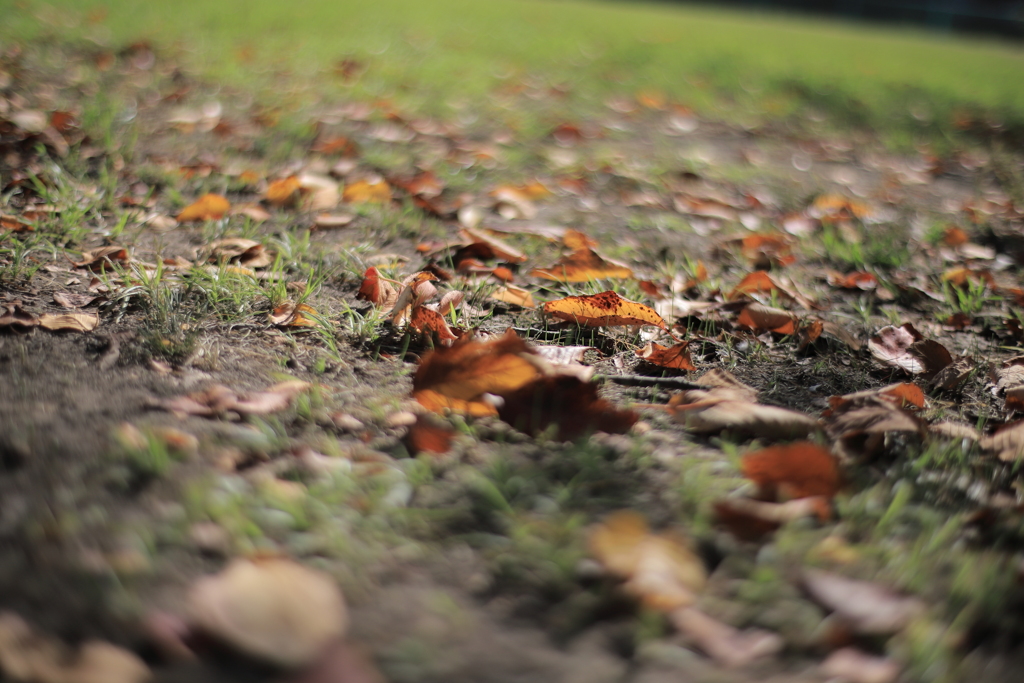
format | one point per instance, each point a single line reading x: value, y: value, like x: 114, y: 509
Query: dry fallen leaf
x: 458, y: 378
x: 676, y: 357
x: 290, y: 314
x: 377, y: 290
x: 583, y: 265
x: 220, y: 400
x: 367, y: 192
x: 102, y: 258
x: 731, y: 405
x: 432, y: 324
x: 271, y: 609
x: 510, y: 294
x: 283, y: 192
x: 75, y: 322
x: 795, y: 470
x: 427, y: 436
x: 659, y: 569
x: 1007, y: 442
x: 904, y: 347
x: 758, y: 282
x: 496, y: 248
x: 601, y: 310
x: 15, y: 316
x: 759, y: 318
x: 245, y: 252
x: 209, y: 207
x: 751, y: 520
x: 859, y: 425
x: 70, y: 300
x: 723, y: 643
x: 568, y: 404
x: 867, y: 608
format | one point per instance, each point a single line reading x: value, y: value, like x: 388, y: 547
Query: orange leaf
x: 582, y: 265
x: 797, y: 470
x: 377, y: 291
x: 603, y: 310
x: 954, y: 237
x: 424, y: 436
x: 289, y: 314
x: 283, y: 192
x: 576, y: 240
x: 494, y: 247
x: 456, y: 378
x: 364, y: 192
x: 565, y: 402
x: 757, y: 282
x: 676, y: 357
x: 855, y: 280
x: 209, y: 207
x: 428, y: 322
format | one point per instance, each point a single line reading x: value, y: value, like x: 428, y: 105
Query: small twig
x: 644, y: 381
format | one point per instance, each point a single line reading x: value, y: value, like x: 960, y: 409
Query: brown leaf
x: 764, y: 250
x: 953, y: 375
x: 659, y: 569
x: 426, y: 436
x: 283, y: 192
x: 758, y: 282
x: 17, y: 317
x: 752, y: 520
x: 245, y: 252
x: 856, y: 280
x: 867, y: 608
x: 209, y: 207
x: 1007, y: 442
x: 367, y: 192
x: 859, y: 426
x: 723, y: 643
x: 69, y: 300
x: 583, y: 265
x: 601, y: 310
x: 14, y: 224
x: 904, y: 347
x: 759, y: 317
x: 904, y: 395
x: 100, y: 259
x: 458, y: 377
x: 731, y: 405
x: 496, y: 249
x: 75, y: 322
x: 676, y: 357
x: 272, y: 609
x: 566, y: 403
x: 290, y: 314
x: 796, y: 470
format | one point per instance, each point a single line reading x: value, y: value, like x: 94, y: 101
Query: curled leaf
x: 676, y: 357
x: 604, y: 309
x: 290, y: 314
x: 459, y: 377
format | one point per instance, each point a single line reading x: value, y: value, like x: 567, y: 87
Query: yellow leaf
x: 209, y: 207
x: 363, y: 192
x: 603, y: 310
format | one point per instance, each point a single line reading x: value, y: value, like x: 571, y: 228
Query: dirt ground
x: 473, y: 565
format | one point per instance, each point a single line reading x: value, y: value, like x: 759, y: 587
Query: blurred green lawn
x: 427, y: 53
